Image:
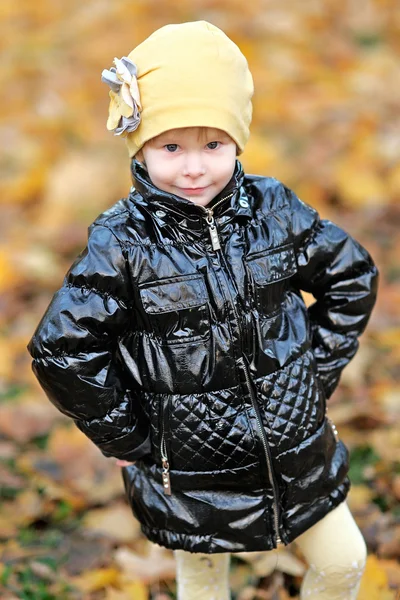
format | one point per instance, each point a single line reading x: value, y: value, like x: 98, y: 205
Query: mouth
x: 197, y: 190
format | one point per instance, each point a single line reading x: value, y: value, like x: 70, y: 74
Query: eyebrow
x: 177, y: 137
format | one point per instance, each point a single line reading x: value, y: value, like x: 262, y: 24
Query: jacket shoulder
x: 125, y: 220
x: 113, y: 217
x: 267, y: 192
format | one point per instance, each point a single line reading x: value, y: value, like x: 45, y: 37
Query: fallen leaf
x: 116, y: 521
x: 133, y: 590
x: 374, y: 583
x: 91, y: 581
x: 157, y: 564
x: 264, y: 563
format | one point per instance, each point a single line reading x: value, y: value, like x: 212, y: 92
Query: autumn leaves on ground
x: 326, y: 123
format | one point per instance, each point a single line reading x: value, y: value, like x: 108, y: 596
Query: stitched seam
x: 287, y: 365
x: 207, y: 536
x: 268, y: 251
x: 105, y: 295
x: 177, y: 306
x: 62, y: 353
x: 173, y: 243
x: 172, y: 280
x: 189, y: 340
x: 126, y: 210
x: 317, y: 226
x: 178, y: 395
x: 271, y: 211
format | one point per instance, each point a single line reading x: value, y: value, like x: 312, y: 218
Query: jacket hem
x: 211, y: 544
x: 316, y: 511
x: 206, y: 544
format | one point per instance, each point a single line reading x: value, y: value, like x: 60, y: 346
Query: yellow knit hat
x: 182, y: 75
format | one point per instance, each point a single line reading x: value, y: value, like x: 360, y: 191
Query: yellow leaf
x: 132, y: 590
x: 157, y: 563
x: 115, y: 521
x: 9, y: 277
x: 359, y: 184
x: 261, y: 156
x: 360, y: 496
x: 374, y: 584
x: 394, y: 181
x: 388, y: 337
x: 96, y: 579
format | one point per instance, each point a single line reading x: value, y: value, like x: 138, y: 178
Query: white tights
x: 334, y: 549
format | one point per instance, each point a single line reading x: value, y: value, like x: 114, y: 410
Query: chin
x: 199, y: 200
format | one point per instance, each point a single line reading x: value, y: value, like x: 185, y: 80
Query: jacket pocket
x: 177, y: 309
x: 269, y: 272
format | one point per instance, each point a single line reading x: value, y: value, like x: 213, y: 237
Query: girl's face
x: 195, y: 163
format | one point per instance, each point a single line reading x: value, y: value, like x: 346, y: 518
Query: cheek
x: 227, y: 171
x: 162, y: 174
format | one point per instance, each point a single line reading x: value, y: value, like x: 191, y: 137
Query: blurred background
x: 326, y: 123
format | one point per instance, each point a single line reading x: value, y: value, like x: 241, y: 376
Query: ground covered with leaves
x: 327, y: 124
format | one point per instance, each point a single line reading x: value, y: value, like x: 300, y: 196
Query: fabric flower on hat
x: 125, y: 107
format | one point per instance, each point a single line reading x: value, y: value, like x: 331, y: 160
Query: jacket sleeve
x: 343, y: 279
x: 75, y: 350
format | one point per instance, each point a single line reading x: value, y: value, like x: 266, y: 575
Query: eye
x: 212, y: 145
x: 171, y: 147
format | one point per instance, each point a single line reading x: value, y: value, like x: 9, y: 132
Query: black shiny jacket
x: 180, y: 339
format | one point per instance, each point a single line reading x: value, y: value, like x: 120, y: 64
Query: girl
x: 180, y: 344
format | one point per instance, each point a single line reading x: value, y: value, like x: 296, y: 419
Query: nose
x: 194, y: 166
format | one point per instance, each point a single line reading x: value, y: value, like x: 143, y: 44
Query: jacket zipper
x: 163, y: 448
x: 267, y: 454
x: 164, y: 457
x: 211, y: 223
x: 217, y: 246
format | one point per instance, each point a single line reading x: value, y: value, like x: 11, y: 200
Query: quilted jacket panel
x: 204, y: 365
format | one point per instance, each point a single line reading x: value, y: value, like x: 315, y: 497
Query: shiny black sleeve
x: 342, y: 277
x: 75, y: 350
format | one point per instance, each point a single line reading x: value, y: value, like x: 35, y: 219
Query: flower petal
x: 127, y: 125
x: 110, y: 77
x: 122, y: 71
x: 129, y: 65
x: 125, y: 106
x: 126, y: 95
x: 114, y: 115
x: 134, y: 90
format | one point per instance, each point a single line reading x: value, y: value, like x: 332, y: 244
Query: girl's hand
x: 124, y: 463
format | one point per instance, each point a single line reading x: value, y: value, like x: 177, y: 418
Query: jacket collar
x: 232, y: 200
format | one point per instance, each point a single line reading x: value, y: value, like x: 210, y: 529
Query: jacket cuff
x: 131, y: 455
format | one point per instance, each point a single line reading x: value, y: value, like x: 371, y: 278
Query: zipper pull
x: 213, y: 231
x: 165, y: 478
x: 164, y: 459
